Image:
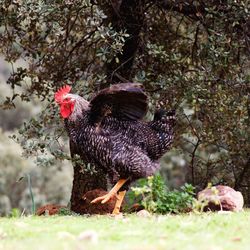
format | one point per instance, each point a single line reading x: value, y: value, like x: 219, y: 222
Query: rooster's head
x: 69, y: 103
x: 65, y: 100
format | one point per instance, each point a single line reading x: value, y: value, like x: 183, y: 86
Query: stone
x: 88, y: 235
x: 221, y: 197
x: 143, y: 213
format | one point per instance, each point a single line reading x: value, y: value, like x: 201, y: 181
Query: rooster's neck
x: 80, y: 108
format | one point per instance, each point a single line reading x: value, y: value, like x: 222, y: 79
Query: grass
x: 172, y: 232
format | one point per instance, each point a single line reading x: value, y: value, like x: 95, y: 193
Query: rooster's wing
x: 124, y: 101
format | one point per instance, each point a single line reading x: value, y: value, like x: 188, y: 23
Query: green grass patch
x: 190, y: 231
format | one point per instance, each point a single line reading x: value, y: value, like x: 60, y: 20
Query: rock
x: 49, y: 209
x: 143, y: 213
x: 221, y: 198
x: 88, y: 235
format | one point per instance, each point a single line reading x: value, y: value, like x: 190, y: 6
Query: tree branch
x: 128, y: 17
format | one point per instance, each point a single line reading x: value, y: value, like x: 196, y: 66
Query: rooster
x: 108, y: 131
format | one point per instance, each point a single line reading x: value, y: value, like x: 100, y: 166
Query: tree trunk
x: 128, y: 15
x: 84, y: 181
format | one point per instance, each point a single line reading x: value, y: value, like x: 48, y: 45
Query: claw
x: 105, y: 198
x: 113, y: 192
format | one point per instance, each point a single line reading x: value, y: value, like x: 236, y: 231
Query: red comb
x: 61, y: 92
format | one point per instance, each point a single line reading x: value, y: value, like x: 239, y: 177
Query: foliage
x: 49, y: 185
x: 63, y: 211
x: 13, y: 119
x: 31, y: 194
x: 195, y: 67
x: 63, y: 42
x: 191, y: 56
x: 157, y: 199
x: 15, y: 213
x: 194, y: 232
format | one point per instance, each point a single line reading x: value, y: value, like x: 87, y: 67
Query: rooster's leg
x: 111, y: 193
x: 118, y: 203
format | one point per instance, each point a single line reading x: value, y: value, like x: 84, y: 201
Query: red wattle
x: 67, y: 109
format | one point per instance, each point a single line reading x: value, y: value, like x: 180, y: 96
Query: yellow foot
x: 111, y: 193
x: 104, y: 198
x: 116, y: 211
x: 118, y: 203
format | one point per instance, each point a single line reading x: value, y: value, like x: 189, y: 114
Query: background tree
x: 190, y: 55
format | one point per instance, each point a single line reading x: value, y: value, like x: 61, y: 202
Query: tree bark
x: 84, y: 181
x: 127, y: 15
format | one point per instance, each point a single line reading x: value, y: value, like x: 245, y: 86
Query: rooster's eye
x: 66, y: 99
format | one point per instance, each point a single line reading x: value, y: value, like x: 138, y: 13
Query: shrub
x: 49, y: 185
x: 156, y: 198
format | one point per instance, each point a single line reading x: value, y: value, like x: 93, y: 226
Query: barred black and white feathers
x: 125, y: 101
x: 109, y: 131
